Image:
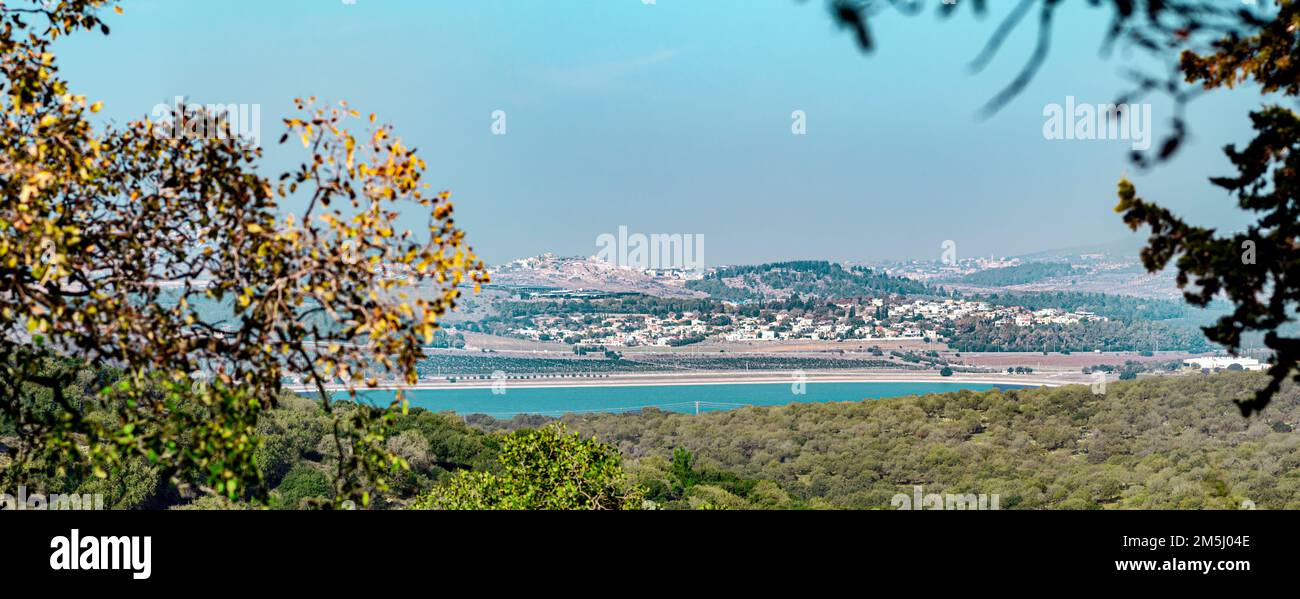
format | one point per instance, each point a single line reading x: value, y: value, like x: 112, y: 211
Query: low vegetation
x: 1159, y: 442
x: 1020, y: 274
x: 1154, y: 443
x: 818, y: 278
x: 1109, y: 336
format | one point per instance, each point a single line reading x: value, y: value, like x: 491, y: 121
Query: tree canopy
x: 100, y: 223
x: 542, y: 469
x: 1208, y: 45
x: 1257, y: 269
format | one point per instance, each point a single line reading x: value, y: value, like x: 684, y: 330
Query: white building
x: 1216, y: 362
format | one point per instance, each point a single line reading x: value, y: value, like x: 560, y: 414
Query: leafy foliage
x: 1157, y: 442
x: 683, y: 483
x: 298, y: 456
x: 1019, y: 274
x: 542, y: 469
x: 302, y: 486
x: 1216, y: 45
x: 1166, y: 442
x: 96, y: 224
x: 1156, y: 28
x: 1114, y: 307
x: 976, y: 335
x: 1258, y: 270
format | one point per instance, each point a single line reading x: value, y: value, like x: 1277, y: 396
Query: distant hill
x: 1115, y: 307
x: 1126, y: 248
x: 779, y: 280
x: 563, y: 272
x: 1022, y: 274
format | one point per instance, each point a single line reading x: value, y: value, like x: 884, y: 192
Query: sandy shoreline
x: 729, y: 378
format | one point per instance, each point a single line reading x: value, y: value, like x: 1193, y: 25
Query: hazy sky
x: 675, y: 117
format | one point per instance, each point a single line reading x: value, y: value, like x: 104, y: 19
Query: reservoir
x: 557, y: 401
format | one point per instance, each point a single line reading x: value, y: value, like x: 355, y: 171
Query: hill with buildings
x: 816, y: 278
x: 574, y: 273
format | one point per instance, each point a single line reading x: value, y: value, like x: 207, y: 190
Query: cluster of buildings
x: 560, y: 266
x: 627, y: 330
x: 784, y: 326
x: 926, y: 270
x: 864, y: 319
x: 953, y: 310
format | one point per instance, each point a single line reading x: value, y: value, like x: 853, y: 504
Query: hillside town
x: 858, y: 319
x: 930, y: 270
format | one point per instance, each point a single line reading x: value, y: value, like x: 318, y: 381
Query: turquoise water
x: 556, y: 401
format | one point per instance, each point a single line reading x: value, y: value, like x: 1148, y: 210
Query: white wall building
x: 1224, y: 362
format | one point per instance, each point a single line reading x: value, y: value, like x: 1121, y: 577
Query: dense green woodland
x: 1110, y: 335
x: 1159, y: 442
x: 1032, y: 272
x: 806, y: 277
x: 1115, y: 307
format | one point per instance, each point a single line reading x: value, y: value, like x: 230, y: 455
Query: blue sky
x: 675, y: 118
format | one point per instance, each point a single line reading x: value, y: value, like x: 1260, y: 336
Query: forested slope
x: 1168, y: 442
x: 1161, y: 442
